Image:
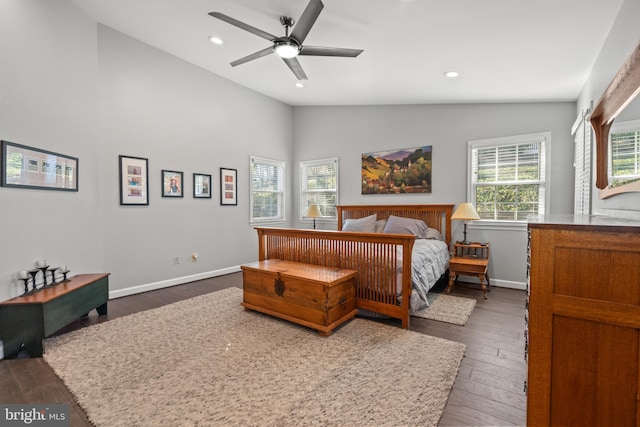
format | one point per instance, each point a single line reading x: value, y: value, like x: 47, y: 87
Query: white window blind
x: 624, y: 153
x: 581, y: 132
x: 267, y: 190
x: 319, y: 186
x: 508, y: 177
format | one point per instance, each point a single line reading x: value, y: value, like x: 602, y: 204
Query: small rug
x: 208, y: 362
x: 447, y: 308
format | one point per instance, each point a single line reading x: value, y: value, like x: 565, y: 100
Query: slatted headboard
x: 436, y: 216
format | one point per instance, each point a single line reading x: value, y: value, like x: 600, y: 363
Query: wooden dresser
x: 583, y: 321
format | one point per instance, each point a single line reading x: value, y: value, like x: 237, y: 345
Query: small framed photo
x: 228, y: 187
x: 171, y: 183
x: 134, y: 180
x: 30, y: 167
x: 201, y: 186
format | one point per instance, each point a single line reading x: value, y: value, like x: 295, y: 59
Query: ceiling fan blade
x: 306, y: 21
x: 246, y: 27
x: 295, y: 66
x: 258, y: 54
x: 329, y: 51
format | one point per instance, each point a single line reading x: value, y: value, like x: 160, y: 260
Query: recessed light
x: 215, y: 40
x: 451, y: 74
x: 299, y: 84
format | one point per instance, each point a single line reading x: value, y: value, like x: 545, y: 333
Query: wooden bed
x: 376, y: 256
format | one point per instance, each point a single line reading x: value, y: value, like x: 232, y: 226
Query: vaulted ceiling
x: 503, y: 50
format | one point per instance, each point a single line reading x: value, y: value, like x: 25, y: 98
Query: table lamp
x: 313, y: 212
x: 466, y: 212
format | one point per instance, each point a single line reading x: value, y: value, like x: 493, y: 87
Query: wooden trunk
x: 314, y: 296
x: 584, y: 323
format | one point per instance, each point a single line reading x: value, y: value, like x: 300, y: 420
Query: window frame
x: 500, y: 224
x: 282, y: 200
x: 304, y: 165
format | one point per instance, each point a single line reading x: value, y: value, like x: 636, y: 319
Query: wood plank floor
x: 488, y: 390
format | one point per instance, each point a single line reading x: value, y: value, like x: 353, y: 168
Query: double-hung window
x: 508, y: 176
x: 319, y: 187
x: 624, y: 153
x: 267, y: 190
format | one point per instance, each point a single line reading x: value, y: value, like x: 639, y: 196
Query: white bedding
x: 429, y: 261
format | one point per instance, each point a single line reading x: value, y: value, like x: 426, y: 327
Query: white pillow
x: 380, y: 224
x: 402, y: 225
x: 433, y: 234
x: 362, y: 225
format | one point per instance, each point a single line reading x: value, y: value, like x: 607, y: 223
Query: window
x: 267, y: 190
x: 581, y: 132
x: 319, y: 187
x: 508, y: 177
x: 624, y: 153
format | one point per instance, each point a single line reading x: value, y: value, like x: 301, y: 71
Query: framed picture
x: 29, y: 167
x: 228, y: 186
x: 397, y: 171
x: 201, y: 186
x: 171, y: 183
x: 134, y: 180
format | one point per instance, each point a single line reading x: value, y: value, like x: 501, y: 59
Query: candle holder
x: 64, y: 275
x: 53, y: 274
x: 44, y: 274
x: 26, y: 284
x: 33, y: 274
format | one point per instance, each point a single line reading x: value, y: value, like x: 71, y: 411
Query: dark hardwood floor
x: 489, y: 389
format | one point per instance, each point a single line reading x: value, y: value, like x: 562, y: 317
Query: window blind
x: 319, y: 186
x: 581, y: 132
x: 267, y: 189
x: 508, y: 179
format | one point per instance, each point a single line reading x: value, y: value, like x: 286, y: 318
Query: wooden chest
x: 314, y: 296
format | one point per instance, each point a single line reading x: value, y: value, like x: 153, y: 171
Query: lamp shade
x: 313, y: 212
x: 465, y: 211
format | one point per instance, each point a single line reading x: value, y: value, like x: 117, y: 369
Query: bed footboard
x: 378, y: 258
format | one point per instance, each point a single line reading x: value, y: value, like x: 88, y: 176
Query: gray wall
x: 347, y: 132
x: 187, y: 119
x: 70, y: 86
x: 48, y: 100
x: 623, y: 37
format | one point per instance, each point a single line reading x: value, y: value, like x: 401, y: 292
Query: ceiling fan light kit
x: 290, y: 46
x: 286, y: 49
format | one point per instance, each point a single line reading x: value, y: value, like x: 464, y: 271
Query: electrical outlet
x: 194, y: 257
x: 176, y: 260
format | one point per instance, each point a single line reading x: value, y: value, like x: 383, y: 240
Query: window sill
x: 268, y: 222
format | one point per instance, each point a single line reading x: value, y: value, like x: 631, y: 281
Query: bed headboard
x: 436, y: 216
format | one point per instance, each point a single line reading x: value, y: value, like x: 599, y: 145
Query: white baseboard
x: 499, y: 283
x: 172, y: 282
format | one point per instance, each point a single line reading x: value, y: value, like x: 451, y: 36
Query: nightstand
x: 470, y: 260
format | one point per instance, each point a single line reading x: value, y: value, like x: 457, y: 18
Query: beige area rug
x: 447, y: 308
x: 208, y: 362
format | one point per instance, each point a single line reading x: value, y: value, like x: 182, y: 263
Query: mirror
x: 621, y: 91
x: 624, y: 152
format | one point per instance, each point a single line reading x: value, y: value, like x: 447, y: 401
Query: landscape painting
x: 397, y: 171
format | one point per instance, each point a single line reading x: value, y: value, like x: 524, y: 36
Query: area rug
x: 447, y: 308
x: 208, y: 362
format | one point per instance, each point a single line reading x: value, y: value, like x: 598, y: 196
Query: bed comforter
x: 429, y: 261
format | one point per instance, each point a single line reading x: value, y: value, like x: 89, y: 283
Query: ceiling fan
x: 289, y: 47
